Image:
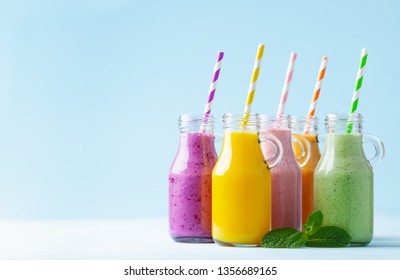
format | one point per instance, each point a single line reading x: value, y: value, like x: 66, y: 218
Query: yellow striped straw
x: 253, y: 83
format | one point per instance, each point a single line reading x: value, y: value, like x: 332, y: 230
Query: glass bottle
x: 307, y: 127
x: 286, y: 176
x: 190, y: 181
x: 241, y: 184
x: 344, y: 180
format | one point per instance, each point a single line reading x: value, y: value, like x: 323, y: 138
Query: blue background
x: 90, y: 91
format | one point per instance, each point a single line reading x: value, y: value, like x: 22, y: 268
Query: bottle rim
x: 304, y: 119
x: 241, y: 120
x: 187, y: 117
x: 278, y: 121
x: 344, y: 117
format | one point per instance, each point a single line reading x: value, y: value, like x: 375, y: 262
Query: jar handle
x: 278, y: 149
x: 378, y: 146
x: 305, y: 147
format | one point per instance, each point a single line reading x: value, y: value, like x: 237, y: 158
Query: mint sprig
x: 314, y: 235
x: 313, y: 223
x: 329, y: 237
x: 297, y: 240
x: 278, y: 238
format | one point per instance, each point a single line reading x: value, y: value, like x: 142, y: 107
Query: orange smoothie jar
x: 307, y: 127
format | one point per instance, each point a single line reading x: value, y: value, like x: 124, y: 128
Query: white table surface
x: 149, y: 239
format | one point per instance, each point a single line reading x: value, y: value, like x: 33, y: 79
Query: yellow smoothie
x: 308, y: 175
x: 241, y: 191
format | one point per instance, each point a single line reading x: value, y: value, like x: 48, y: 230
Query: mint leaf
x: 314, y: 222
x: 297, y: 240
x: 329, y: 237
x: 278, y: 238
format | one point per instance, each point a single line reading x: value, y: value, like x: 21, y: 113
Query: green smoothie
x: 343, y: 187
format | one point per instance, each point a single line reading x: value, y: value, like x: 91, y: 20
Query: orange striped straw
x: 317, y: 90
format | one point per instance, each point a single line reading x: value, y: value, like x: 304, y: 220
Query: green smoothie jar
x: 344, y: 180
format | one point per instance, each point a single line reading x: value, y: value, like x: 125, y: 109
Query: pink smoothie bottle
x: 286, y: 176
x: 190, y: 181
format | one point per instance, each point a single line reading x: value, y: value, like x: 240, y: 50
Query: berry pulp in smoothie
x: 190, y: 188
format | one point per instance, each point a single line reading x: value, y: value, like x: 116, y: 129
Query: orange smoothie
x: 241, y: 192
x: 308, y: 174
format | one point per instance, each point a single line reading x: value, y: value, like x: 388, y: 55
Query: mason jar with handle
x: 241, y: 183
x: 344, y: 179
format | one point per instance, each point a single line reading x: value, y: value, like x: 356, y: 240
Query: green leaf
x: 278, y: 238
x: 297, y: 240
x: 314, y: 222
x: 329, y: 237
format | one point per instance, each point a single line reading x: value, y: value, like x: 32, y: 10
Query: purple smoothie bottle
x: 190, y: 181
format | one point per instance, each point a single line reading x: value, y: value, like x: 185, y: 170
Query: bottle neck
x: 281, y: 127
x: 241, y: 141
x: 241, y: 147
x: 276, y: 122
x: 343, y: 123
x: 305, y: 125
x: 241, y: 122
x: 192, y: 123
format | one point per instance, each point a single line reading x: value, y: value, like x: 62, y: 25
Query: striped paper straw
x: 211, y: 91
x: 359, y: 80
x: 253, y: 83
x: 317, y: 90
x: 213, y: 85
x: 286, y: 86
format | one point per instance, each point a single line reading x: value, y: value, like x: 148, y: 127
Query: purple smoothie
x: 190, y: 188
x: 286, y: 183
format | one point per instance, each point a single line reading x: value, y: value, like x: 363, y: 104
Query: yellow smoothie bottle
x: 241, y: 185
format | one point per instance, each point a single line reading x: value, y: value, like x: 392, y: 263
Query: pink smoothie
x: 286, y: 182
x: 190, y: 188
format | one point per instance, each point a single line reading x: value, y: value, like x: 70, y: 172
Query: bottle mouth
x: 343, y: 123
x: 196, y: 123
x: 343, y: 117
x: 276, y: 121
x: 305, y: 124
x: 243, y: 121
x: 304, y: 119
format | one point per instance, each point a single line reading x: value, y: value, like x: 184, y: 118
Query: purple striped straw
x: 213, y: 86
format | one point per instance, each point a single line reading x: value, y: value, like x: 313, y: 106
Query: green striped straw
x: 359, y: 80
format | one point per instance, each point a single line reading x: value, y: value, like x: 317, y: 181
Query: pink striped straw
x: 286, y: 86
x: 211, y: 90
